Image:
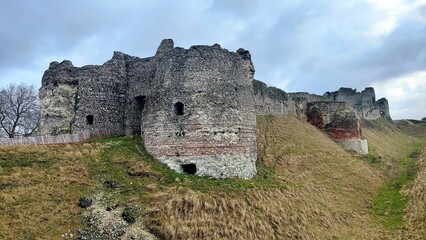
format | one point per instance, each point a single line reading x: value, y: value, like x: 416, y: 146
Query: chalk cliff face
x: 194, y: 106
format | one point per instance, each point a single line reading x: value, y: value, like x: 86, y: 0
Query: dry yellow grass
x: 40, y: 187
x: 415, y: 129
x: 386, y: 141
x: 416, y: 209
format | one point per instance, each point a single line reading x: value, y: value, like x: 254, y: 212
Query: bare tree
x: 19, y: 110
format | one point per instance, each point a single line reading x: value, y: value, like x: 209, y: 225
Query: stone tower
x: 194, y: 107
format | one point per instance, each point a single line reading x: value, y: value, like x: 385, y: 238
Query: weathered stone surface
x: 358, y: 145
x: 216, y: 130
x: 193, y: 106
x: 165, y: 46
x: 338, y: 119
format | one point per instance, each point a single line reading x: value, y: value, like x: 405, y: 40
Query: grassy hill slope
x: 412, y: 127
x: 307, y: 187
x: 396, y: 155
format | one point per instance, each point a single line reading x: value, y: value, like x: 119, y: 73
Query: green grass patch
x: 131, y: 151
x: 389, y: 204
x: 9, y: 159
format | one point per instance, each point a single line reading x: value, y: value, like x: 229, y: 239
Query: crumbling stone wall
x: 384, y: 108
x: 272, y: 100
x: 194, y: 106
x: 78, y: 99
x: 338, y: 119
x: 301, y: 99
x: 268, y: 100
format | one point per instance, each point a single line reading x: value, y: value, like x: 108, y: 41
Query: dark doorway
x: 138, y: 107
x: 89, y: 119
x: 189, y: 168
x: 179, y: 108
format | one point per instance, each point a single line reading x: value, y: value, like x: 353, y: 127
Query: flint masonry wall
x: 58, y: 98
x: 193, y: 106
x: 215, y: 127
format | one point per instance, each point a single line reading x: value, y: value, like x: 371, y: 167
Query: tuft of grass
x: 130, y: 214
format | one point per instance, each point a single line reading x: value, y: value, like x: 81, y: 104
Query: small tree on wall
x: 19, y: 110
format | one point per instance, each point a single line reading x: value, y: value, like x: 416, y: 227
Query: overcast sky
x: 296, y: 45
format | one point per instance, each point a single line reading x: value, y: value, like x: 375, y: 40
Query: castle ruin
x: 195, y: 108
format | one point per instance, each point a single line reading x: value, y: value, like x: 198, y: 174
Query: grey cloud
x: 35, y: 28
x: 403, y: 51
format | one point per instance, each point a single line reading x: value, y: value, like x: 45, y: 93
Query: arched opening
x: 189, y: 168
x: 179, y: 108
x: 138, y: 107
x: 89, y: 119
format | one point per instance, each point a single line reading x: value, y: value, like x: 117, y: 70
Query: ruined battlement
x: 364, y: 102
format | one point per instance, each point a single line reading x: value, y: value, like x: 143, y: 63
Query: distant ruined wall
x: 301, y: 100
x: 194, y: 106
x: 364, y: 102
x: 270, y: 100
x: 72, y: 97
